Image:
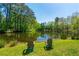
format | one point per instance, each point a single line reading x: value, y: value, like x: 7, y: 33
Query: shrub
x: 63, y: 36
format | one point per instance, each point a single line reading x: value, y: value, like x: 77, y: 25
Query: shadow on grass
x: 48, y: 45
x: 27, y: 51
x: 30, y: 47
x: 47, y: 48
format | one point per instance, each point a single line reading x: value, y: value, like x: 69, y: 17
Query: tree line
x: 63, y: 27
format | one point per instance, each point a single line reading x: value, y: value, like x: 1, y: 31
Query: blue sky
x: 45, y: 12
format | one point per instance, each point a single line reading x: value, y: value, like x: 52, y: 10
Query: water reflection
x: 43, y: 37
x: 24, y: 37
x: 15, y: 38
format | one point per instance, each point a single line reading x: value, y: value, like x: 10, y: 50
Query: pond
x: 11, y: 39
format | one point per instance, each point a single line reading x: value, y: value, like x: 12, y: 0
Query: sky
x: 45, y: 12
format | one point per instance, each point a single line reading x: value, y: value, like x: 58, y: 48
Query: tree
x: 19, y: 17
x: 56, y: 27
x: 75, y: 27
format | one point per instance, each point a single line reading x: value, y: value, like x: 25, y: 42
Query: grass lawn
x: 61, y: 48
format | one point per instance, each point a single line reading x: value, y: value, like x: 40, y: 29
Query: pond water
x: 23, y: 37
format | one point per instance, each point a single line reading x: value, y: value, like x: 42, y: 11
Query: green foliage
x: 63, y: 27
x: 19, y: 18
x: 2, y: 23
x: 75, y: 27
x: 2, y: 43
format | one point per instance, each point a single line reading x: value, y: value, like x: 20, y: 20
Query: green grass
x: 61, y: 48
